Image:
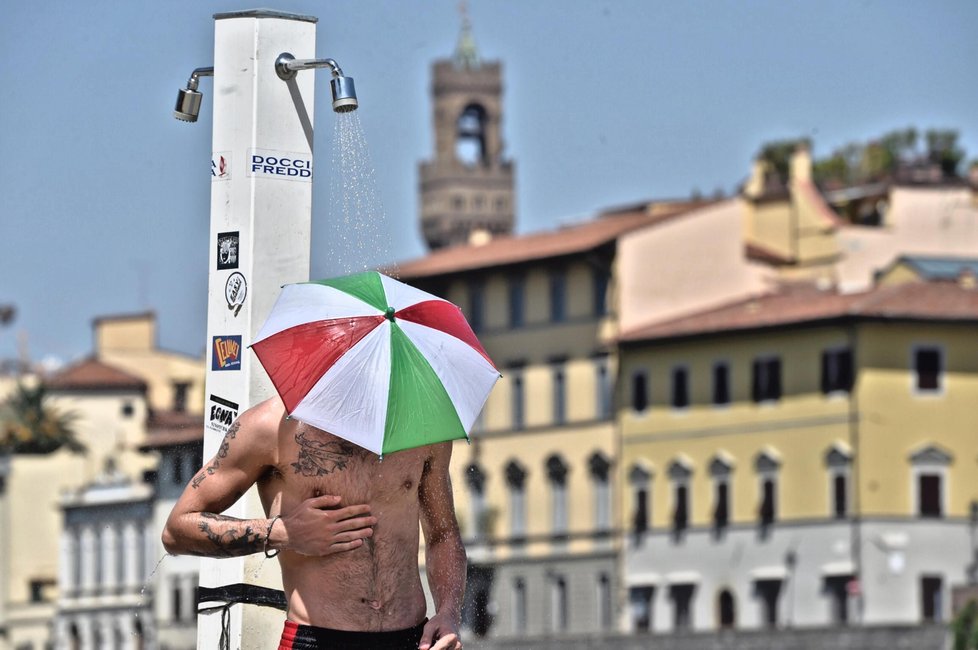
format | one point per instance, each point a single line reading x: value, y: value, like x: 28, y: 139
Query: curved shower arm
x: 196, y: 75
x: 287, y: 65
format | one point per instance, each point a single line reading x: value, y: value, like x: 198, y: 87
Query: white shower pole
x: 261, y: 205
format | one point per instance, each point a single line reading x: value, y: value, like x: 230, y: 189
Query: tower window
x: 470, y: 145
x: 927, y: 363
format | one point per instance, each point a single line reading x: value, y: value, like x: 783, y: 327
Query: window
x: 475, y: 478
x: 519, y: 606
x: 640, y: 391
x: 604, y: 601
x: 727, y: 610
x: 837, y: 588
x: 766, y: 380
x: 557, y: 475
x: 720, y: 469
x: 600, y: 280
x: 680, y: 512
x: 767, y: 465
x: 560, y: 395
x: 931, y: 599
x: 603, y: 384
x: 38, y: 589
x: 517, y: 399
x: 516, y: 301
x: 176, y: 603
x: 558, y: 291
x: 640, y: 604
x: 476, y: 305
x: 679, y: 474
x: 838, y: 460
x: 515, y: 479
x: 769, y: 591
x: 721, y: 506
x: 128, y: 410
x: 837, y: 371
x: 600, y: 467
x: 682, y: 600
x: 768, y: 509
x: 458, y: 202
x: 721, y: 384
x: 639, y: 479
x: 840, y: 497
x: 470, y: 143
x: 558, y: 604
x: 180, y: 391
x: 929, y: 489
x: 927, y: 365
x: 680, y: 387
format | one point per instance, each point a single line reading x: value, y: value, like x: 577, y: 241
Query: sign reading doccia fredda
x: 283, y: 165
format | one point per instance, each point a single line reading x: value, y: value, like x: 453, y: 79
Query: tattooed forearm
x: 237, y: 538
x: 320, y: 457
x: 221, y: 453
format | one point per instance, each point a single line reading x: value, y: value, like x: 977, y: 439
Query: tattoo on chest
x: 319, y: 457
x: 221, y: 454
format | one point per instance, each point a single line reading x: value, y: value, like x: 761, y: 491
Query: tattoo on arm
x: 239, y: 538
x: 221, y: 453
x: 321, y: 457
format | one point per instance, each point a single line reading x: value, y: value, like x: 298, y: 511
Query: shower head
x: 188, y: 99
x: 344, y: 93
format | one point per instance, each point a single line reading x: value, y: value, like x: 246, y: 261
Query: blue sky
x: 104, y: 197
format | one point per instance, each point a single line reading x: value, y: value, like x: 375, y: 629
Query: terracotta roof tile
x: 936, y: 301
x: 515, y: 249
x: 92, y: 374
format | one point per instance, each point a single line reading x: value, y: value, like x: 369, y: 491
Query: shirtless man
x: 346, y: 526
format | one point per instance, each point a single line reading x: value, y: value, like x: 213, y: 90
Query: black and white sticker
x: 227, y: 250
x: 235, y: 291
x: 222, y: 412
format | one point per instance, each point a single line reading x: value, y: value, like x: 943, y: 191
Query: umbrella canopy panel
x: 375, y: 361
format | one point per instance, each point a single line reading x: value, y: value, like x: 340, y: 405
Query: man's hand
x: 319, y: 527
x: 443, y: 632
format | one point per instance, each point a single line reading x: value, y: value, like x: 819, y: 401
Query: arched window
x: 470, y: 143
x: 515, y: 479
x: 557, y: 474
x: 475, y: 478
x: 600, y: 468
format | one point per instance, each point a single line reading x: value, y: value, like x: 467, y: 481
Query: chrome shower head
x: 188, y: 99
x: 344, y: 94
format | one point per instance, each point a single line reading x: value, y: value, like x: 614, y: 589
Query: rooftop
x: 516, y: 249
x: 805, y: 303
x: 92, y: 374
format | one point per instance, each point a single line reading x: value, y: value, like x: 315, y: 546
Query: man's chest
x: 313, y: 462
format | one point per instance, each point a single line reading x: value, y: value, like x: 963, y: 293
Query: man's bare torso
x: 372, y: 588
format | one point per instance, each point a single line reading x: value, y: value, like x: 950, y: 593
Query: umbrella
x: 375, y: 361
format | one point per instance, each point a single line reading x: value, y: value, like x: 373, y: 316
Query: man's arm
x: 445, y: 560
x: 318, y: 526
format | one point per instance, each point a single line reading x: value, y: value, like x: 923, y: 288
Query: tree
x: 942, y: 149
x: 29, y: 424
x: 965, y: 627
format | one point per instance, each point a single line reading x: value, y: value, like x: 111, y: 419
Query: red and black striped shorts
x: 308, y: 637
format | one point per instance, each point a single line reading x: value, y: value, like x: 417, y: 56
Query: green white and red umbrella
x: 375, y: 361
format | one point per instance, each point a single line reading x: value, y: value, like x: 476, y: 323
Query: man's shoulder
x: 264, y: 418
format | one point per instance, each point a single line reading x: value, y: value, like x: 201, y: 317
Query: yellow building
x: 114, y: 395
x: 801, y: 459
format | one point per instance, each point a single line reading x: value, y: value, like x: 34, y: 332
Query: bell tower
x: 467, y: 189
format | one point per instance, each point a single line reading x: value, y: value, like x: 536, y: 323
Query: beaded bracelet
x: 268, y: 534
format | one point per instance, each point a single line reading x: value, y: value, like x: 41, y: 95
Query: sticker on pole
x: 284, y: 165
x: 227, y: 250
x: 235, y: 291
x: 221, y: 166
x: 226, y: 353
x: 222, y: 413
